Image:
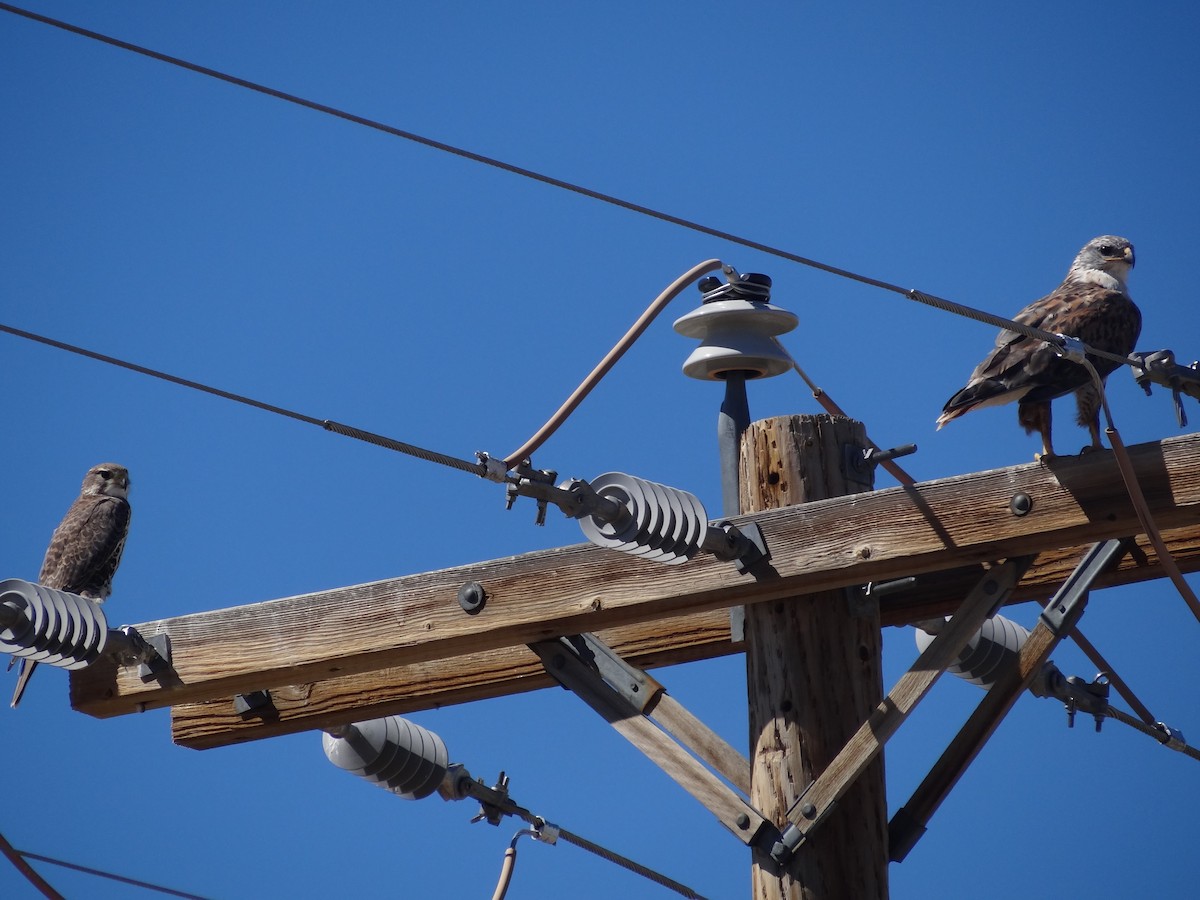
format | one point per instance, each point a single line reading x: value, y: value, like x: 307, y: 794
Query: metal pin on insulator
x: 50, y: 626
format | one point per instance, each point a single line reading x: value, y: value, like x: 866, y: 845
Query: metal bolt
x: 808, y: 811
x: 743, y: 821
x: 1020, y: 504
x: 471, y: 597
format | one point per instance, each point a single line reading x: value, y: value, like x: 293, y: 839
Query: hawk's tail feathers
x: 976, y: 396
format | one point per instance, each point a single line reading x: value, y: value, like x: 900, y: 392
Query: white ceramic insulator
x: 49, y: 626
x: 394, y: 753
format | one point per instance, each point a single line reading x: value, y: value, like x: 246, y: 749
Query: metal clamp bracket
x: 858, y: 463
x: 634, y: 685
x: 1066, y: 606
x: 623, y: 696
x: 1160, y: 367
x: 151, y: 655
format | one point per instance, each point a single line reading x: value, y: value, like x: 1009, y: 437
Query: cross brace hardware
x: 626, y: 697
x: 818, y: 799
x: 1057, y: 620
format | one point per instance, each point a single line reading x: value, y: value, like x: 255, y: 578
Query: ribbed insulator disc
x: 394, y: 753
x: 665, y: 524
x: 58, y: 628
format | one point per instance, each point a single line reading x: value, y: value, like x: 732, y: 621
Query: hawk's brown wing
x: 1020, y: 367
x: 86, y: 547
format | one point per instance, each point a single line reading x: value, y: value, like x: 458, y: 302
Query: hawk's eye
x: 105, y: 474
x: 1108, y: 250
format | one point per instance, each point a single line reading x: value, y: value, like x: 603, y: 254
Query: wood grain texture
x: 510, y: 670
x: 657, y: 745
x: 934, y: 526
x: 909, y: 822
x: 701, y: 740
x: 868, y: 741
x: 814, y: 674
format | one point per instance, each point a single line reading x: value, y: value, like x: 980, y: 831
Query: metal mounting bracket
x: 633, y: 685
x: 745, y: 545
x: 1160, y: 368
x: 858, y: 463
x: 1066, y: 606
x: 152, y: 655
x: 253, y: 705
x: 625, y: 697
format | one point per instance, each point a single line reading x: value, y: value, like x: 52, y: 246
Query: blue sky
x: 185, y: 224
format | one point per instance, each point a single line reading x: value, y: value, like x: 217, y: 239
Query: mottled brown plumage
x: 85, y: 548
x: 1093, y: 305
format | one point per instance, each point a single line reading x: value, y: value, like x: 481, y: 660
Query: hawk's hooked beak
x: 1129, y: 256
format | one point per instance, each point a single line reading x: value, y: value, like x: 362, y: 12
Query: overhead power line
x: 15, y: 857
x: 479, y: 468
x: 18, y: 859
x: 919, y: 296
x: 111, y: 876
x: 327, y: 424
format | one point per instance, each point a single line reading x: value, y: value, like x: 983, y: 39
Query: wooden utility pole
x: 814, y: 674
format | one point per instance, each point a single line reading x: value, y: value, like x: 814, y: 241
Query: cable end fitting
x: 492, y: 469
x: 783, y: 848
x: 1171, y: 737
x: 1071, y: 349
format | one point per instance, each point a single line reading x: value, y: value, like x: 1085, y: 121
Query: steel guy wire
x: 19, y: 860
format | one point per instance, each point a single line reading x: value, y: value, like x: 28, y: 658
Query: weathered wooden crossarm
x: 677, y: 639
x: 934, y: 526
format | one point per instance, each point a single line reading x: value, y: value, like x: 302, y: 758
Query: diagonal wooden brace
x: 1056, y: 622
x: 577, y: 662
x: 820, y: 796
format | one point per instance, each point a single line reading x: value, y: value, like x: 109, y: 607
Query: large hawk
x: 1093, y: 305
x: 86, y: 546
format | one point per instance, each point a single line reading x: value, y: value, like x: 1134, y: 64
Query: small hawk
x: 1093, y: 305
x: 86, y: 546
